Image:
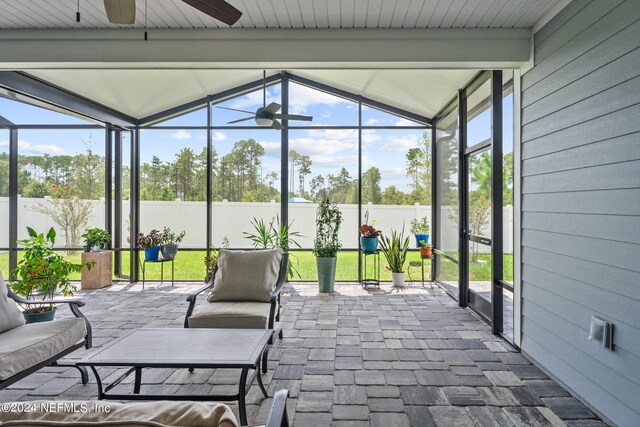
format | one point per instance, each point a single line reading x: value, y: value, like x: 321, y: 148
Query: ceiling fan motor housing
x: 264, y: 117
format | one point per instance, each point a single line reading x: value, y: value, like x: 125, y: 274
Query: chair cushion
x: 156, y: 414
x: 246, y: 275
x: 10, y: 315
x: 246, y: 315
x: 28, y: 345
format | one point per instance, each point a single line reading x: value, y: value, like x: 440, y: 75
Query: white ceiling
x: 288, y: 14
x: 140, y: 93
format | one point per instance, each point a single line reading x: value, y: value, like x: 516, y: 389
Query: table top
x: 175, y: 347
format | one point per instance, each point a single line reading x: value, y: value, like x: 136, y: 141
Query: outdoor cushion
x: 88, y: 413
x: 247, y: 315
x: 28, y: 345
x: 10, y: 315
x: 246, y: 275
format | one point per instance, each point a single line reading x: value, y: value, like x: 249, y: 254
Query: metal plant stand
x: 161, y: 261
x: 419, y: 264
x: 375, y: 279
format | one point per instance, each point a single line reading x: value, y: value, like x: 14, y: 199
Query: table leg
x: 260, y: 383
x: 162, y: 273
x: 137, y: 381
x: 98, y: 381
x: 242, y: 408
x: 144, y: 264
x: 172, y: 269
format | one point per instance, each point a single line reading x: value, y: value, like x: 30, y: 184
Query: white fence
x: 231, y: 219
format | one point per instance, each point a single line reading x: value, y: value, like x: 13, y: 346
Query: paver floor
x: 381, y: 358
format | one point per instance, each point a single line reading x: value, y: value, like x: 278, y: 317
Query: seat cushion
x: 156, y: 414
x: 246, y: 275
x: 10, y: 315
x: 245, y: 315
x: 28, y: 345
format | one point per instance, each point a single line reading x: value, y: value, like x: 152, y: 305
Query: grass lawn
x: 189, y: 266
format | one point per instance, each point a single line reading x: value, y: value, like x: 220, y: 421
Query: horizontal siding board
x: 562, y: 364
x: 616, y: 98
x: 614, y: 47
x: 604, y: 252
x: 622, y: 69
x: 618, y: 280
x: 606, y: 177
x: 621, y: 149
x: 605, y: 202
x: 606, y: 227
x: 612, y: 125
x: 560, y: 19
x: 575, y: 300
x: 607, y: 26
x: 560, y: 315
x: 574, y: 28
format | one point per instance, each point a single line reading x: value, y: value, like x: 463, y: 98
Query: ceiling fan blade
x: 217, y: 9
x: 235, y: 109
x: 241, y: 120
x: 273, y: 107
x: 277, y: 125
x: 293, y: 117
x: 121, y: 11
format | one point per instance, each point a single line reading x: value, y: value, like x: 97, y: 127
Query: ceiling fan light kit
x: 121, y: 11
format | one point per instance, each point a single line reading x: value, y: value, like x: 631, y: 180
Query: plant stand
x: 161, y: 261
x: 375, y: 279
x: 100, y: 274
x: 420, y: 264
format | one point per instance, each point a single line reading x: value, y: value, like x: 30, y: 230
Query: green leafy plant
x: 424, y: 244
x: 154, y: 238
x: 419, y: 226
x: 395, y: 250
x: 171, y: 238
x: 96, y: 237
x: 328, y: 221
x: 42, y: 271
x: 275, y: 235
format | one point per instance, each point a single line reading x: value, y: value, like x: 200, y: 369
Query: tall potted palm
x: 395, y: 250
x: 327, y: 244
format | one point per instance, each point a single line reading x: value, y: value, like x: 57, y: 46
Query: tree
x: 317, y: 185
x: 392, y: 196
x: 294, y: 158
x: 371, y: 191
x: 305, y: 169
x: 68, y: 211
x: 418, y: 166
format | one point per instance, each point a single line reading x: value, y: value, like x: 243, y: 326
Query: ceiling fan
x: 266, y: 115
x: 124, y: 11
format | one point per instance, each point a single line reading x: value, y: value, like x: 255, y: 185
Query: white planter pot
x: 398, y: 279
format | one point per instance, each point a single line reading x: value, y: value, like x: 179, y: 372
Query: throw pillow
x: 10, y: 315
x: 246, y: 275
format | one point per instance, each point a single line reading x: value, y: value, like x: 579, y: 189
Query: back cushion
x: 10, y: 315
x: 246, y: 275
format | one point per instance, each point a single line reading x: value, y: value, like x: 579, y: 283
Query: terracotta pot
x: 425, y: 252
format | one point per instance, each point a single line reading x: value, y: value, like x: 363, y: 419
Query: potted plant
x: 425, y: 249
x: 326, y: 245
x: 170, y: 243
x: 96, y: 239
x: 420, y: 228
x: 151, y: 244
x: 368, y: 236
x: 41, y: 273
x: 395, y: 250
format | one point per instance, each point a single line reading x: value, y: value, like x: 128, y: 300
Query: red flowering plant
x: 367, y: 230
x: 42, y: 271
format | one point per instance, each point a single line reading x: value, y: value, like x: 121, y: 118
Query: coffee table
x: 183, y: 348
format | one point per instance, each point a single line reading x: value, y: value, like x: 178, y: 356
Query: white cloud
x: 27, y: 147
x: 254, y: 99
x: 405, y: 122
x: 218, y: 136
x: 301, y: 97
x: 371, y: 122
x: 401, y: 144
x: 180, y: 134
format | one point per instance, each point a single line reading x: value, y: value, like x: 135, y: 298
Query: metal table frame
x: 375, y: 281
x: 421, y: 265
x: 246, y: 378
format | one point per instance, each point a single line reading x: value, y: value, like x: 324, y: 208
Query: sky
x: 329, y: 149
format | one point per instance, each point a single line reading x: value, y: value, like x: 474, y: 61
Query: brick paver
x: 384, y: 357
